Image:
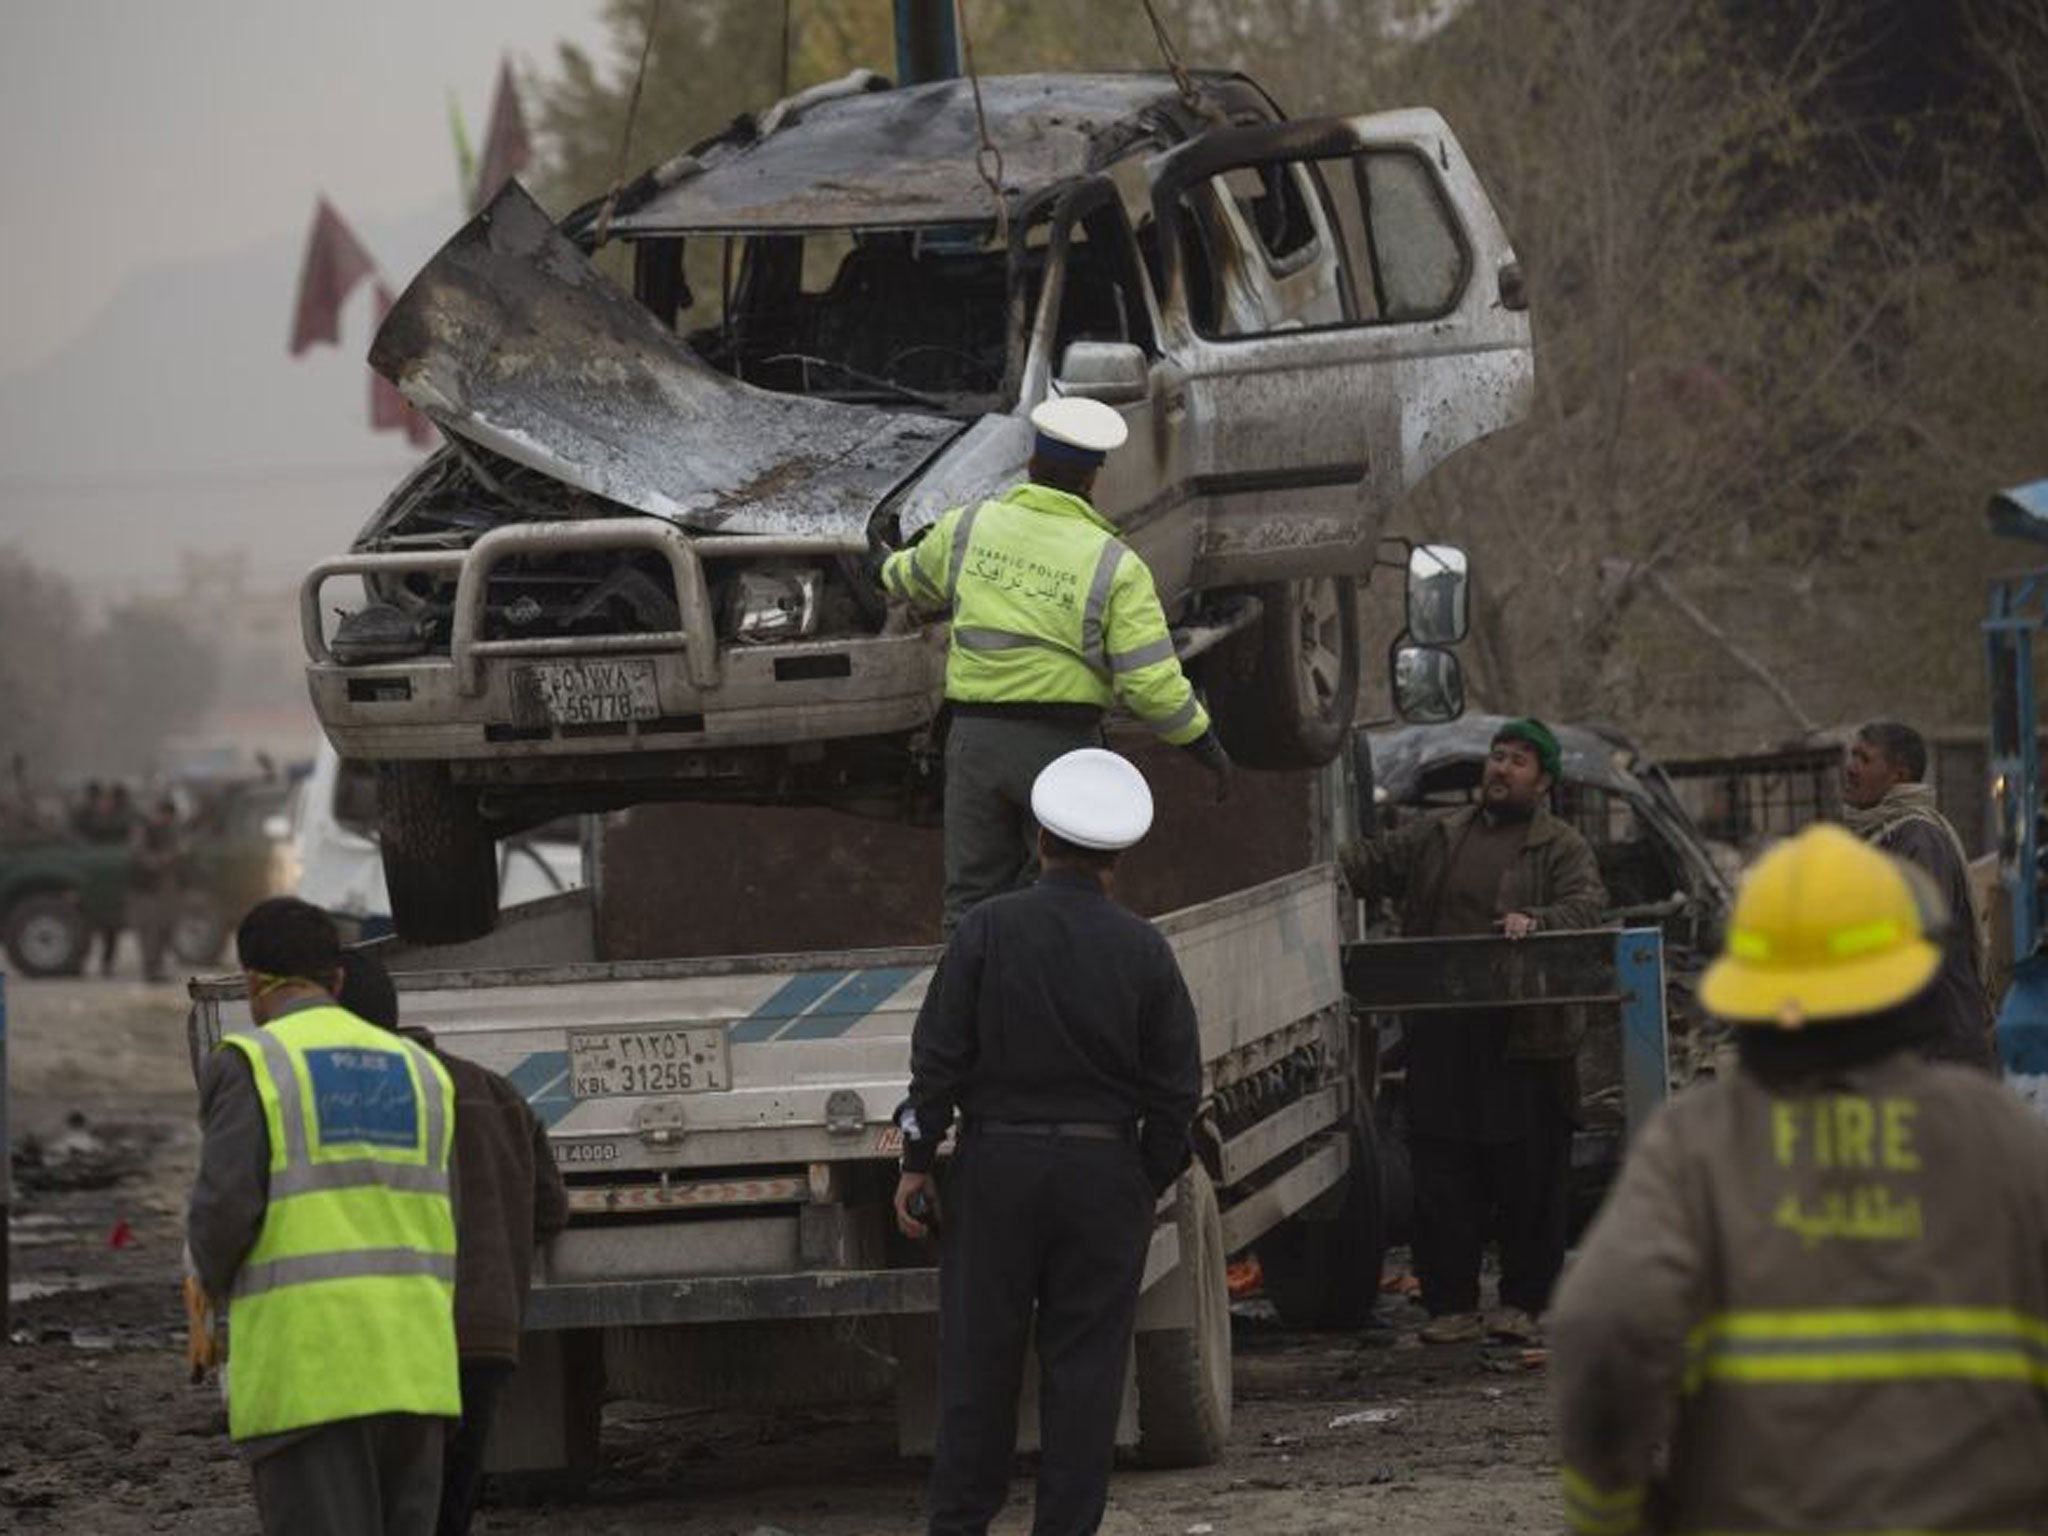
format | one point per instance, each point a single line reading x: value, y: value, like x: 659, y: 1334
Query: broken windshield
x: 877, y: 317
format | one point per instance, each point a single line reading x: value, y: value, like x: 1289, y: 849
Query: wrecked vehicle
x: 1659, y: 870
x: 636, y: 569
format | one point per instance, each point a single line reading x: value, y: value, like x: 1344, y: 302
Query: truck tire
x: 1283, y: 690
x: 1323, y: 1274
x: 1184, y: 1391
x: 46, y: 935
x: 440, y: 867
x: 198, y: 932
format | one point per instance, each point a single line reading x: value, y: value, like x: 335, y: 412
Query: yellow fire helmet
x: 1825, y: 928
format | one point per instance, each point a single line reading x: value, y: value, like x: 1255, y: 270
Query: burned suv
x: 636, y: 569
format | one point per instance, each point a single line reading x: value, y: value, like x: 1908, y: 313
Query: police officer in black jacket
x: 1060, y: 1028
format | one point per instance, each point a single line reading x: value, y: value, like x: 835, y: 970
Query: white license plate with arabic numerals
x: 597, y: 692
x: 619, y: 1063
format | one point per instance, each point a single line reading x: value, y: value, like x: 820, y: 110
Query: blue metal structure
x: 927, y: 42
x: 2018, y: 614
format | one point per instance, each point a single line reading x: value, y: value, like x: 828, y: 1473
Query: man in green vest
x: 1054, y: 620
x: 322, y: 1213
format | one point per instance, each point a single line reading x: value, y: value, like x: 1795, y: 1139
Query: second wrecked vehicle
x: 636, y: 569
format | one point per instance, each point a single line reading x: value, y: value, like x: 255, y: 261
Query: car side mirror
x: 1114, y: 372
x: 1429, y: 685
x: 1438, y: 578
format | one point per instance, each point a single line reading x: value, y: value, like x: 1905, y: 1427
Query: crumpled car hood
x: 510, y: 338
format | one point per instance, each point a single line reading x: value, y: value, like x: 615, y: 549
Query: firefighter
x: 1059, y: 1025
x: 323, y: 1213
x: 1053, y: 620
x: 1821, y: 1282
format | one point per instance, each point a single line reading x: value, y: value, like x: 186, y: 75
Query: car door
x: 1344, y: 310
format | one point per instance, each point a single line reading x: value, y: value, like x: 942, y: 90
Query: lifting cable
x: 611, y: 198
x: 988, y: 159
x: 1181, y: 79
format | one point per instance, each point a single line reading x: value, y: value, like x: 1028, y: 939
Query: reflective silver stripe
x: 357, y: 1264
x: 1092, y: 644
x: 437, y: 1107
x: 1179, y: 720
x: 291, y: 1099
x: 1010, y: 640
x: 357, y: 1173
x: 1144, y: 656
x: 962, y: 532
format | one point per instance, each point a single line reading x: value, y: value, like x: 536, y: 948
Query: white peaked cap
x: 1085, y: 424
x: 1093, y: 799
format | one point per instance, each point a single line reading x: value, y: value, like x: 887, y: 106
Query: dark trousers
x: 1516, y: 1189
x: 462, y: 1464
x: 991, y: 835
x: 1060, y: 1227
x: 376, y: 1476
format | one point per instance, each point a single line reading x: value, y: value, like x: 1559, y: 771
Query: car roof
x: 1590, y: 755
x: 896, y: 158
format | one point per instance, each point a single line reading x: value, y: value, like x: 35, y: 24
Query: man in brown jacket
x: 1821, y: 1285
x: 508, y: 1199
x: 1886, y: 804
x: 1491, y: 1097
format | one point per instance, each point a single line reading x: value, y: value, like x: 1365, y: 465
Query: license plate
x: 597, y: 692
x: 613, y: 1063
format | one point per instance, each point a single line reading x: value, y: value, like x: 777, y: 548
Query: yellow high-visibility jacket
x: 1049, y: 607
x: 345, y: 1306
x: 1830, y: 1300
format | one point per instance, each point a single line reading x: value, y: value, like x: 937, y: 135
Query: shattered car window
x: 1418, y: 260
x: 862, y: 316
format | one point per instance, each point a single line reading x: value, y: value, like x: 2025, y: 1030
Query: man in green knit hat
x: 1491, y: 1095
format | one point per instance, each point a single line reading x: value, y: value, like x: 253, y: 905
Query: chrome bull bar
x: 697, y: 639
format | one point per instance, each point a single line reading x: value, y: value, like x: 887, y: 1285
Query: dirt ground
x: 101, y: 1432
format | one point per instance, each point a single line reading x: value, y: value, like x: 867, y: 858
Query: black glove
x: 1207, y: 749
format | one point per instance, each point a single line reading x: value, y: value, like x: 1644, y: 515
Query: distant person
x: 1491, y: 1095
x: 156, y: 848
x: 1886, y: 804
x: 1817, y: 1299
x: 323, y: 1213
x: 509, y: 1199
x: 85, y: 814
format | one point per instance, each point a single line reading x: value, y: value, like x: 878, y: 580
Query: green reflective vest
x: 1049, y: 607
x: 345, y: 1306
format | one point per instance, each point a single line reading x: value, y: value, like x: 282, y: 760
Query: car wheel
x: 440, y: 868
x: 1184, y: 1377
x: 1283, y: 690
x: 198, y: 933
x: 46, y: 935
x: 1324, y: 1275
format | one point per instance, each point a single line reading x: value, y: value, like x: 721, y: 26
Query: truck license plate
x: 597, y: 692
x: 610, y: 1063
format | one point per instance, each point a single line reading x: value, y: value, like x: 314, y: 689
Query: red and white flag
x: 506, y: 146
x: 335, y: 262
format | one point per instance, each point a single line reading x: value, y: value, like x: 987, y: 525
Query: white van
x: 332, y: 858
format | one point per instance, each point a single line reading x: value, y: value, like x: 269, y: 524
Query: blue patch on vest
x: 364, y: 1096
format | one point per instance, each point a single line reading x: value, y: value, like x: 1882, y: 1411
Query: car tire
x: 1284, y: 689
x: 198, y: 932
x: 47, y: 935
x: 1323, y: 1276
x: 440, y: 865
x: 1183, y: 1372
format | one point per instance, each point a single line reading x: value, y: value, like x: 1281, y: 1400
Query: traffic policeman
x: 322, y: 1212
x: 1054, y: 619
x: 1823, y: 1280
x: 1059, y: 1027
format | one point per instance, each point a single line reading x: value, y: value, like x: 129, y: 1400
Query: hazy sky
x: 138, y: 131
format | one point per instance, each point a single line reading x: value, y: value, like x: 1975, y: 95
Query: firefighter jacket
x: 1049, y: 607
x: 345, y: 1305
x: 1555, y: 879
x: 1830, y: 1302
